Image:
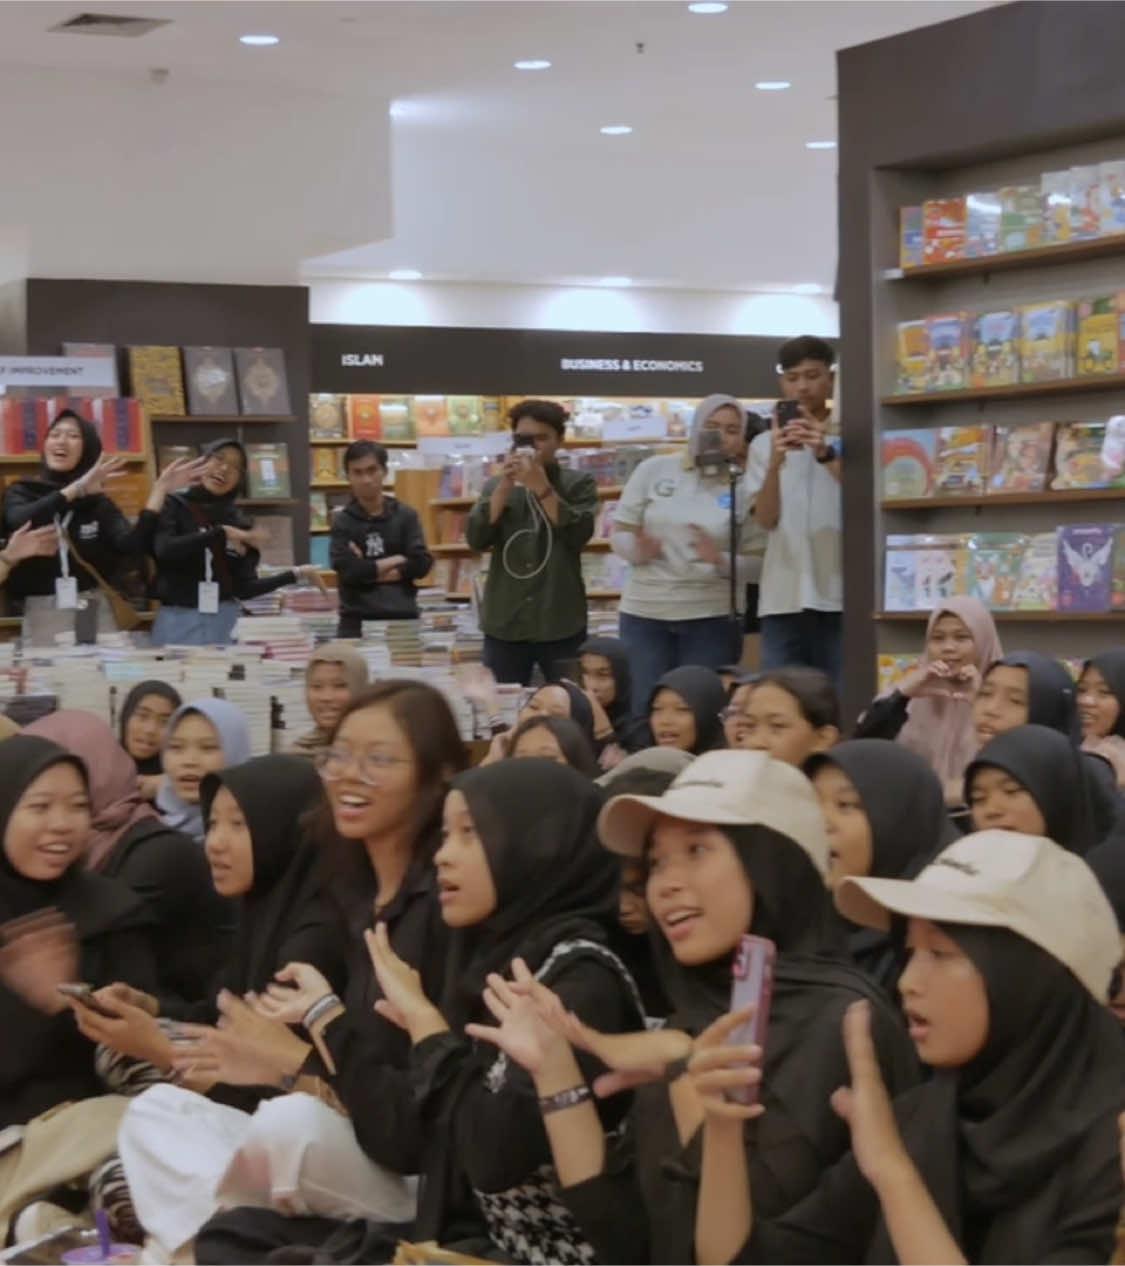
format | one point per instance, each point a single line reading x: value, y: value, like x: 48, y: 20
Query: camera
x: 523, y: 441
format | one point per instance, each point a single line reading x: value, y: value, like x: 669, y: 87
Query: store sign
x: 628, y: 365
x: 361, y: 360
x: 465, y: 445
x: 640, y: 428
x: 57, y: 371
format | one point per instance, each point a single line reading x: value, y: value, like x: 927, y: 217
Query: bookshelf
x: 1005, y: 261
x: 1014, y: 391
x: 1014, y: 617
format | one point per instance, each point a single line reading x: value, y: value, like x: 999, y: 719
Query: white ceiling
x: 503, y: 176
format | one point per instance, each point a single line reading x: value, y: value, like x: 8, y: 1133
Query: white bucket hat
x: 1003, y: 879
x: 727, y: 788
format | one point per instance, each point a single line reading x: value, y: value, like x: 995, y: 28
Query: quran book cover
x: 318, y: 512
x: 269, y: 471
x: 95, y: 351
x: 324, y: 466
x: 464, y: 415
x: 263, y: 388
x: 166, y: 454
x: 365, y: 419
x: 278, y: 549
x: 156, y: 379
x: 209, y: 372
x: 398, y: 424
x: 328, y: 418
x: 430, y: 414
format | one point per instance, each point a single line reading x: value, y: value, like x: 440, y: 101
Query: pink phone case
x: 751, y: 985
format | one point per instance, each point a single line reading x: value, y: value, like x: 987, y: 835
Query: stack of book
x: 402, y: 638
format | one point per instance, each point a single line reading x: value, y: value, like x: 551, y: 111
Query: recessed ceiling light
x: 615, y: 281
x: 806, y: 288
x: 820, y: 145
x: 404, y: 274
x: 616, y: 129
x: 534, y: 63
x: 259, y: 41
x: 707, y: 6
x: 773, y: 85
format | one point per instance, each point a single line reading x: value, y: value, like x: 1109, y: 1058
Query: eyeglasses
x: 372, y: 767
x: 232, y: 468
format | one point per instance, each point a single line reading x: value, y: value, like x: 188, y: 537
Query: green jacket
x: 552, y: 604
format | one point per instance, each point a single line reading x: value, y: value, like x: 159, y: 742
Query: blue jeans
x: 185, y: 626
x: 657, y: 646
x: 806, y: 637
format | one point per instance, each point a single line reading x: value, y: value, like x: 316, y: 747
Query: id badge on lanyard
x: 208, y: 589
x: 66, y: 586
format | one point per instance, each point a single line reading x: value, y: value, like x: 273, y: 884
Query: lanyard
x: 61, y: 528
x: 207, y: 576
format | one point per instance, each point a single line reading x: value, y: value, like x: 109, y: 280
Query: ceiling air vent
x: 108, y: 24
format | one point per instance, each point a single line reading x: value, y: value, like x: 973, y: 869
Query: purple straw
x: 101, y: 1221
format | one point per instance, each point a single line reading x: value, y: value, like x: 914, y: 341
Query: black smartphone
x: 84, y: 995
x: 523, y: 441
x: 788, y: 411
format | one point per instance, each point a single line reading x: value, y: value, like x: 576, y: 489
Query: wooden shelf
x: 454, y: 503
x: 598, y: 443
x: 268, y: 503
x: 1019, y: 617
x: 1061, y: 497
x: 1015, y: 391
x: 33, y: 459
x: 224, y: 419
x: 981, y: 265
x: 336, y: 484
x: 331, y: 443
x: 319, y: 531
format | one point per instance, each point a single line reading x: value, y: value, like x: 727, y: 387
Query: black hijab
x: 207, y: 501
x: 1052, y: 698
x: 284, y: 910
x: 151, y: 764
x: 1060, y: 779
x: 630, y: 731
x: 537, y: 821
x: 581, y: 711
x: 702, y: 690
x: 87, y: 460
x: 1111, y: 665
x: 1107, y: 861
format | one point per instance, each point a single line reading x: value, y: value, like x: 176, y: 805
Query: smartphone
x: 523, y: 441
x: 709, y: 449
x: 751, y: 985
x: 84, y: 995
x: 788, y: 411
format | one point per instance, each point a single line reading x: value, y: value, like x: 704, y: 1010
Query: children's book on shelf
x: 995, y: 354
x: 318, y: 512
x: 1085, y: 202
x: 430, y: 415
x: 320, y: 551
x: 911, y: 238
x: 324, y: 467
x: 1113, y: 449
x: 464, y: 415
x: 941, y: 569
x: 1047, y: 344
x: 943, y: 227
x: 908, y: 460
x: 962, y: 460
x: 1054, y: 188
x: 269, y: 471
x: 1111, y: 209
x: 1021, y: 457
x: 948, y: 367
x: 982, y: 223
x: 492, y: 414
x: 1021, y: 218
x: 209, y: 373
x: 263, y: 388
x: 1037, y: 588
x: 156, y: 378
x: 1117, y: 578
x: 912, y: 357
x: 1097, y: 337
x: 1078, y: 456
x: 1085, y: 566
x: 396, y: 418
x: 328, y: 417
x: 166, y: 454
x: 995, y: 560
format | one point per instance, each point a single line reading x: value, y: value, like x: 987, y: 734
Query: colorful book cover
x: 1111, y: 208
x: 982, y: 223
x: 1021, y: 457
x: 1097, y: 350
x: 318, y: 512
x: 269, y: 471
x: 464, y: 415
x: 396, y: 418
x: 278, y: 549
x: 941, y: 569
x: 900, y: 573
x: 1078, y: 456
x: 365, y: 417
x: 328, y: 418
x: 1085, y: 202
x: 25, y: 426
x: 1117, y: 578
x: 996, y: 344
x: 908, y: 459
x: 962, y: 460
x: 341, y: 455
x: 156, y: 378
x: 911, y: 239
x: 324, y: 469
x: 430, y: 415
x: 943, y: 228
x: 209, y: 373
x: 1038, y: 586
x: 1054, y: 188
x: 1021, y: 217
x: 995, y: 559
x: 96, y: 351
x: 1047, y: 343
x: 948, y: 366
x: 492, y: 414
x: 166, y: 454
x: 320, y: 551
x: 121, y: 424
x: 891, y: 668
x: 263, y: 388
x: 1085, y: 566
x: 912, y: 357
x: 1113, y: 449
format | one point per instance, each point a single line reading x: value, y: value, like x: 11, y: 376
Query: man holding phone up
x: 793, y: 476
x: 535, y: 518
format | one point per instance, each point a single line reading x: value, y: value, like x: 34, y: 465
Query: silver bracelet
x: 320, y: 1008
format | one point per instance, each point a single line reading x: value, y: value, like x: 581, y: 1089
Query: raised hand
x: 39, y: 953
x: 404, y: 1001
x: 181, y: 473
x: 296, y: 987
x: 523, y: 1031
x: 95, y: 480
x: 865, y: 1105
x: 28, y: 542
x: 716, y: 1068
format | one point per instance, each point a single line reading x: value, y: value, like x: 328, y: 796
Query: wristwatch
x: 829, y: 454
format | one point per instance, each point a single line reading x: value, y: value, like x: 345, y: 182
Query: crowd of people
x: 306, y: 1006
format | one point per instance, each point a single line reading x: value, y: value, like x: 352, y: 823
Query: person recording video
x: 534, y: 518
x: 673, y: 525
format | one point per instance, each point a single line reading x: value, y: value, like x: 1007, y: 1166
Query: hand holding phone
x: 84, y: 995
x: 751, y: 986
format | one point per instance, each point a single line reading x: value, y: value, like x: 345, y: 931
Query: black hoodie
x: 396, y: 531
x: 101, y: 534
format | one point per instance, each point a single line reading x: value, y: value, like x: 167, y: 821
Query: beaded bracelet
x: 565, y: 1099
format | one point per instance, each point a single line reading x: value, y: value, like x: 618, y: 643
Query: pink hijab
x: 941, y: 730
x: 115, y: 799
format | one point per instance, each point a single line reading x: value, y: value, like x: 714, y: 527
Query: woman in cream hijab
x: 336, y: 673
